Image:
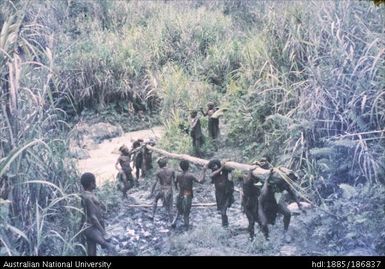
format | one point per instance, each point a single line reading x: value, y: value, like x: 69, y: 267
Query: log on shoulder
x: 257, y: 172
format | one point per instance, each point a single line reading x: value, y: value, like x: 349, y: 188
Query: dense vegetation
x: 303, y: 83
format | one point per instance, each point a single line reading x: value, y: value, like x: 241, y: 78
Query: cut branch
x: 257, y: 172
x: 193, y: 205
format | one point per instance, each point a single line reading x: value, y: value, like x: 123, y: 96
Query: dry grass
x: 296, y: 78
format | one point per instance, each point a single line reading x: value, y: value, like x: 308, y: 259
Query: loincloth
x: 165, y: 193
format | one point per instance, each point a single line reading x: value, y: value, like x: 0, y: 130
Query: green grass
x: 296, y: 78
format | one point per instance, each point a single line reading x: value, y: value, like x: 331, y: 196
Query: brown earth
x: 104, y: 155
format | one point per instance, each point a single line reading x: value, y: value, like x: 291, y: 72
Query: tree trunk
x: 257, y: 172
x: 193, y: 205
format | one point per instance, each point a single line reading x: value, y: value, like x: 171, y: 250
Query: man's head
x: 184, y: 165
x: 151, y: 142
x: 137, y: 143
x: 264, y: 162
x: 210, y: 105
x: 162, y: 162
x: 124, y: 150
x: 193, y: 113
x: 88, y: 181
x: 214, y: 164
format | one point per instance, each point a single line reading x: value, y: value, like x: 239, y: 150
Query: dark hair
x: 162, y: 162
x: 184, y: 165
x: 86, y: 179
x: 214, y: 164
x: 124, y: 150
x: 137, y: 143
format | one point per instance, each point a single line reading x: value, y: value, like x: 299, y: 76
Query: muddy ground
x: 133, y: 233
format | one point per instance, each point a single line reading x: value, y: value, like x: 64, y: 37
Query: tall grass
x: 303, y: 83
x: 315, y: 78
x: 38, y: 214
x: 296, y: 77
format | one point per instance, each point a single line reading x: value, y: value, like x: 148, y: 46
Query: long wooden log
x: 193, y: 205
x: 257, y: 172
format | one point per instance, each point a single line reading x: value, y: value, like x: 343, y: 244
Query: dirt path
x: 133, y: 232
x: 103, y: 157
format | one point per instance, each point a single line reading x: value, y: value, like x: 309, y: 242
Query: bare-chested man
x: 249, y: 197
x: 147, y: 158
x: 224, y: 188
x: 137, y: 152
x: 125, y: 178
x: 184, y: 198
x: 165, y: 176
x: 213, y: 123
x: 268, y: 207
x: 196, y: 133
x: 92, y: 219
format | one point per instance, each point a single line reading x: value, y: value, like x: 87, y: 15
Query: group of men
x: 259, y: 203
x: 166, y: 177
x: 140, y: 156
x: 257, y: 195
x: 196, y: 130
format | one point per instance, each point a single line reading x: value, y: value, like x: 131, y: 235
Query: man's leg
x: 173, y: 224
x: 195, y: 147
x: 186, y: 220
x: 286, y: 216
x: 187, y: 201
x: 179, y: 211
x: 91, y: 247
x: 168, y: 205
x: 126, y: 186
x: 222, y: 204
x: 263, y: 221
x: 225, y: 221
x: 138, y: 167
x: 155, y: 205
x: 94, y: 237
x: 251, y: 220
x: 137, y: 172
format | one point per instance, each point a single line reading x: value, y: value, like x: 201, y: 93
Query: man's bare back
x: 185, y: 182
x: 165, y: 176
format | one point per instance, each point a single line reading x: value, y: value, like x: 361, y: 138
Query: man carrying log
x: 147, y: 158
x: 249, y: 199
x: 260, y: 204
x: 184, y: 182
x: 125, y: 178
x: 137, y: 153
x: 268, y: 208
x: 224, y: 188
x: 165, y: 176
x: 262, y: 210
